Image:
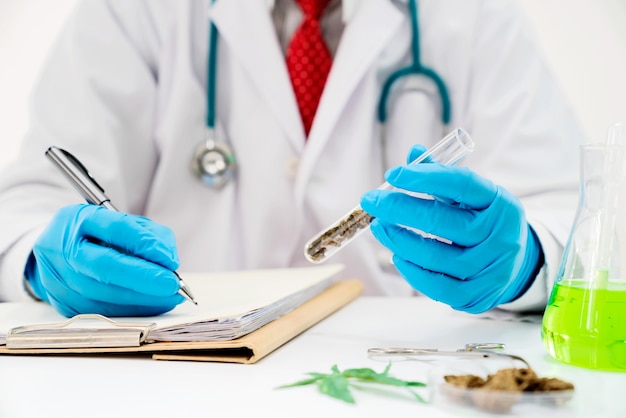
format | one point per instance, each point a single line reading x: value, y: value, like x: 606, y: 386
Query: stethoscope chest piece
x: 213, y: 163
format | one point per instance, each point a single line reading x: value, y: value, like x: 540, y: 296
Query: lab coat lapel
x: 246, y: 26
x: 366, y: 34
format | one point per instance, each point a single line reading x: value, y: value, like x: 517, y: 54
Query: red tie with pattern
x: 308, y: 60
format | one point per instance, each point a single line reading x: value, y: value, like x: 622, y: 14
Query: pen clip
x: 79, y: 177
x: 80, y: 166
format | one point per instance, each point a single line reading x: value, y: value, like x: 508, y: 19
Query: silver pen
x: 93, y: 193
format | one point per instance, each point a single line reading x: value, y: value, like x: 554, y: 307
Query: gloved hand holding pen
x: 93, y: 260
x: 494, y: 255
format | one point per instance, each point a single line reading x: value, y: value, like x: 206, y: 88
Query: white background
x: 584, y: 40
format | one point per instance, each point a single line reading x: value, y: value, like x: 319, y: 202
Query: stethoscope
x: 214, y: 161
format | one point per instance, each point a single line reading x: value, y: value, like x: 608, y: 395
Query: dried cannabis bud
x: 514, y: 381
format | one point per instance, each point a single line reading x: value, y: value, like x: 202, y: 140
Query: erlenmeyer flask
x: 584, y: 323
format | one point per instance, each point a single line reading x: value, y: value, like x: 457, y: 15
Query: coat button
x: 291, y: 168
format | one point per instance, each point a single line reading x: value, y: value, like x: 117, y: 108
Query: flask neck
x: 597, y: 241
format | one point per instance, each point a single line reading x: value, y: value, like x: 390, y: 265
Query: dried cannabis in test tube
x: 448, y: 151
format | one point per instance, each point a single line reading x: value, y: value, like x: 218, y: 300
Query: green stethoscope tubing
x: 416, y: 68
x: 211, y: 76
x: 223, y: 150
x: 213, y: 161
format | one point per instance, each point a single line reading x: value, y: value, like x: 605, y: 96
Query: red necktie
x: 308, y: 60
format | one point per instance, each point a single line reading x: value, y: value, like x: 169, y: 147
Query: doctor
x: 127, y: 89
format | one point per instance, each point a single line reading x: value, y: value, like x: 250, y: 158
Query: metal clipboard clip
x: 62, y: 335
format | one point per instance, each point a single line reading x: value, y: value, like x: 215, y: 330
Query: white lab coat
x: 124, y: 90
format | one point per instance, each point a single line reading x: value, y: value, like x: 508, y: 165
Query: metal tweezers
x: 481, y: 350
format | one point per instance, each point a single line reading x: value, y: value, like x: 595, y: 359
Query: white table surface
x: 141, y: 387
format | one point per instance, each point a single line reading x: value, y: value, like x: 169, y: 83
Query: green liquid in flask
x: 587, y: 327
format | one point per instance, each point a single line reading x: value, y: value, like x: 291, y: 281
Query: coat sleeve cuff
x: 12, y: 263
x: 536, y: 297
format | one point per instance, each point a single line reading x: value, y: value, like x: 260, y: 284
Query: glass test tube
x: 448, y: 151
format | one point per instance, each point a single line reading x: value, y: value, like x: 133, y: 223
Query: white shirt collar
x: 348, y: 7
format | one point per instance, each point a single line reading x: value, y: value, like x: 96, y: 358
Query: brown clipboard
x: 246, y: 350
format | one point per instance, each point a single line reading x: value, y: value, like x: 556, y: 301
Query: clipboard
x: 132, y: 338
x: 61, y: 335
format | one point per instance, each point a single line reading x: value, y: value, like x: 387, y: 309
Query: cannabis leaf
x: 337, y: 384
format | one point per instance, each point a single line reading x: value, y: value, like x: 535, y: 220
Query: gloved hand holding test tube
x: 448, y: 151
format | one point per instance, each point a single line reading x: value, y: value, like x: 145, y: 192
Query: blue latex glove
x: 494, y: 256
x: 93, y: 260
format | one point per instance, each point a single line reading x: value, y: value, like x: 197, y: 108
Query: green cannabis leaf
x: 337, y: 384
